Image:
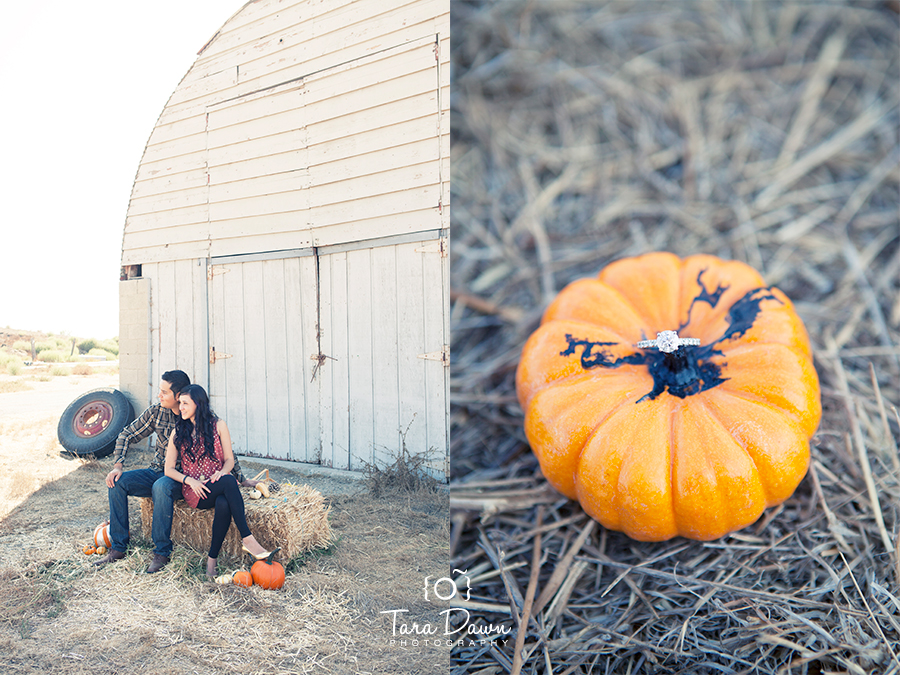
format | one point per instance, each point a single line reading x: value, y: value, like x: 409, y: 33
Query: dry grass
x: 764, y: 132
x: 295, y: 519
x: 60, y: 615
x: 10, y: 386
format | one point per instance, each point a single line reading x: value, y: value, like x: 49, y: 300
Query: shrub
x: 112, y: 346
x: 82, y: 369
x: 60, y: 371
x: 22, y: 346
x: 85, y: 346
x: 50, y: 356
x: 102, y: 352
x: 44, y: 347
x: 14, y: 367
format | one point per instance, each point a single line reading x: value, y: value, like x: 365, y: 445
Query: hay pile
x: 765, y: 132
x: 294, y: 518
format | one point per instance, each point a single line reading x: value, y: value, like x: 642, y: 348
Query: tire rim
x: 93, y: 418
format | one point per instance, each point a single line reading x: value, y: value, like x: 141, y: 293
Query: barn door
x: 262, y: 334
x: 384, y: 377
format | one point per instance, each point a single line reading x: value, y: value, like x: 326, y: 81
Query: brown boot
x: 159, y: 561
x: 111, y: 556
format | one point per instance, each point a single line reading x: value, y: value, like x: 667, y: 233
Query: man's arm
x: 142, y: 427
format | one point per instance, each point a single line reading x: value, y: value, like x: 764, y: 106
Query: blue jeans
x: 144, y: 483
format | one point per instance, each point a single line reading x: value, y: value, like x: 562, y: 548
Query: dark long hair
x: 204, y: 421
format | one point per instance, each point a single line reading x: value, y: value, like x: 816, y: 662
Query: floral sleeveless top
x: 202, y: 465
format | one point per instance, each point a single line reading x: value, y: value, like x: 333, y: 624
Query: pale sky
x: 83, y: 85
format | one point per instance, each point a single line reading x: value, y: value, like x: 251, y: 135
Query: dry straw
x: 294, y: 518
x: 760, y: 131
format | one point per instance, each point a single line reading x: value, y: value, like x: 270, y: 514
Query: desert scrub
x: 82, y: 369
x: 50, y: 356
x: 60, y: 371
x: 14, y: 367
x: 9, y: 386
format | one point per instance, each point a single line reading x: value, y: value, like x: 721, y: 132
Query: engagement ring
x: 668, y: 341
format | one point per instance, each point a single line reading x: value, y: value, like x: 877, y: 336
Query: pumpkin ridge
x: 747, y: 396
x: 740, y: 347
x: 639, y: 310
x: 595, y: 280
x: 711, y: 413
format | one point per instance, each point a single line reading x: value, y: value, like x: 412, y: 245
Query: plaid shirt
x: 162, y: 421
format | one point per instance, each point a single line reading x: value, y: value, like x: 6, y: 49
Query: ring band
x: 668, y: 341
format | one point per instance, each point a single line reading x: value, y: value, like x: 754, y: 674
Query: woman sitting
x: 203, y: 445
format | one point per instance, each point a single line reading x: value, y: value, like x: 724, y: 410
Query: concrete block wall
x: 134, y: 343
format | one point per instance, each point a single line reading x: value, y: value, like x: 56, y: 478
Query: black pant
x: 225, y: 496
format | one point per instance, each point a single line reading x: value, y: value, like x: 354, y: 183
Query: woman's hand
x: 217, y: 475
x: 198, y: 487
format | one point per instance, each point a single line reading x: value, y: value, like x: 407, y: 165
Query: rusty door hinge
x: 213, y: 270
x: 443, y: 356
x: 438, y: 246
x: 217, y: 356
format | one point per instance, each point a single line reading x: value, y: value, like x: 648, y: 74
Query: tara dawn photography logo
x: 456, y: 624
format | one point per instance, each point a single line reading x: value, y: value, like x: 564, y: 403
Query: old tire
x: 91, y: 423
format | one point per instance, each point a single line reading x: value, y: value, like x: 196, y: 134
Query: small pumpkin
x: 89, y: 550
x: 100, y: 550
x: 226, y: 579
x: 267, y: 575
x: 242, y: 578
x: 101, y: 535
x: 695, y: 442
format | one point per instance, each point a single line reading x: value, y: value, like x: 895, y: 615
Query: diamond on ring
x: 668, y: 341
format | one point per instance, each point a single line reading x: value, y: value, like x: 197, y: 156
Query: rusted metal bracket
x: 213, y: 270
x: 443, y: 356
x: 217, y: 356
x: 437, y: 246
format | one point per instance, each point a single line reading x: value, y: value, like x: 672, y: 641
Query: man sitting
x: 152, y: 481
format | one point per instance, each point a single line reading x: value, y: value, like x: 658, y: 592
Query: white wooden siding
x: 263, y: 314
x: 381, y: 308
x: 292, y: 107
x: 178, y: 319
x: 306, y: 133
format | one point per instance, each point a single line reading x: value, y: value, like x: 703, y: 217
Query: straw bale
x: 294, y: 518
x: 765, y: 132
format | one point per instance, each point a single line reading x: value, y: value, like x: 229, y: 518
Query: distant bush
x: 102, y: 352
x: 112, y: 346
x: 51, y: 356
x: 82, y: 369
x: 14, y: 367
x: 85, y: 346
x: 60, y: 371
x: 22, y: 346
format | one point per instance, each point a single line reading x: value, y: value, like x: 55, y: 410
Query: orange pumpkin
x: 696, y: 442
x: 242, y: 578
x: 268, y: 575
x: 89, y: 550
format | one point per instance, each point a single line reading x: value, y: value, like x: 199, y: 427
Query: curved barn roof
x: 300, y: 124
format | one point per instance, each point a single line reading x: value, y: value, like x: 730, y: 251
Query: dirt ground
x: 335, y: 614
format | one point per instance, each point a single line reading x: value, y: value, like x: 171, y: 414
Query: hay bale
x: 294, y: 518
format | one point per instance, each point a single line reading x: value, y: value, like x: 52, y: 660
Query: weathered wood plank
x: 255, y: 357
x: 199, y: 324
x: 235, y: 368
x: 277, y: 382
x: 411, y: 343
x: 386, y: 378
x: 360, y: 316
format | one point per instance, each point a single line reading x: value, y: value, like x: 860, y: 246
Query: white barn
x: 285, y: 241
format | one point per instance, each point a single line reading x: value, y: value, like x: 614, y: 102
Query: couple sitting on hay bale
x: 193, y: 461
